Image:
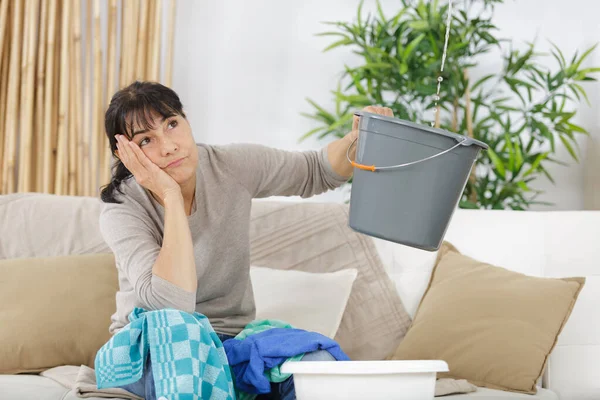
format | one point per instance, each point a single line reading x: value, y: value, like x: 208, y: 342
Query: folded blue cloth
x: 251, y: 357
x: 187, y: 356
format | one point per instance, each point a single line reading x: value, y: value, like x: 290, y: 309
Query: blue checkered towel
x: 187, y: 356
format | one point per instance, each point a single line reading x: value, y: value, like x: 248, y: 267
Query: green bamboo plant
x: 523, y: 111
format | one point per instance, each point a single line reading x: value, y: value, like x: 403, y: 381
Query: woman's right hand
x: 146, y: 173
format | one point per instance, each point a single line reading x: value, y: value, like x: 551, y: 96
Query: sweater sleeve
x: 266, y: 171
x: 136, y: 249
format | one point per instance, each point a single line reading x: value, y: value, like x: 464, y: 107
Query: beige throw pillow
x: 55, y: 311
x: 315, y: 237
x: 494, y: 327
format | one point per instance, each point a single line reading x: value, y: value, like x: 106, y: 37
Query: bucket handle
x: 373, y: 168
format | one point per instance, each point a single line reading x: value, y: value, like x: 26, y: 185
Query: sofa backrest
x: 550, y: 244
x: 44, y: 225
x: 545, y: 244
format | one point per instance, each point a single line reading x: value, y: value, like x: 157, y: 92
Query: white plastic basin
x: 360, y: 380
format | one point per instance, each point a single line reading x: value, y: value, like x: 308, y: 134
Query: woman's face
x: 170, y: 145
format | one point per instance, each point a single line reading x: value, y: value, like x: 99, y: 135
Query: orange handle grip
x: 371, y: 168
x: 363, y: 167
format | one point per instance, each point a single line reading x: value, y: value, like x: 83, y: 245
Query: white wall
x: 244, y: 69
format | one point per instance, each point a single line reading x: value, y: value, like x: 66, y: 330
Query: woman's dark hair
x: 131, y: 105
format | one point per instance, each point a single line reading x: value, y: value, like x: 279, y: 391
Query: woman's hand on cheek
x: 145, y: 172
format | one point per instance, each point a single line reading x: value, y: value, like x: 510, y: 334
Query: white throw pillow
x: 311, y: 301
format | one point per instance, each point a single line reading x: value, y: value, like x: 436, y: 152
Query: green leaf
x: 576, y: 128
x: 521, y: 61
x: 359, y: 12
x: 515, y: 90
x: 584, y: 56
x: 341, y: 122
x: 518, y: 82
x: 411, y: 47
x: 326, y: 115
x: 536, y: 163
x: 433, y: 7
x: 569, y: 147
x: 399, y: 16
x: 468, y: 205
x: 434, y: 45
x: 556, y: 161
x: 500, y: 100
x: 511, y: 152
x: 518, y: 157
x: 342, y: 42
x: 488, y: 38
x: 574, y: 59
x: 312, y: 116
x: 530, y: 144
x: 375, y: 66
x: 558, y: 54
x: 421, y: 10
x: 547, y: 174
x: 500, y: 169
x: 338, y: 102
x: 498, y: 206
x: 326, y: 133
x: 481, y: 81
x: 356, y: 99
x: 507, y: 108
x: 310, y: 133
x: 359, y: 87
x: 589, y: 71
x: 576, y: 93
x: 380, y: 11
x: 583, y: 93
x: 419, y: 25
x: 457, y: 46
x: 542, y: 203
x: 332, y: 34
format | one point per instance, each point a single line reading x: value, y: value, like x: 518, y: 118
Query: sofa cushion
x: 30, y: 387
x: 35, y: 387
x: 315, y: 237
x: 494, y: 327
x: 493, y: 394
x: 57, y: 310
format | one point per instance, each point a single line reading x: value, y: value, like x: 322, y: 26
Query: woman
x: 178, y: 213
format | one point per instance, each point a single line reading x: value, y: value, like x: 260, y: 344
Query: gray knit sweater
x: 227, y: 178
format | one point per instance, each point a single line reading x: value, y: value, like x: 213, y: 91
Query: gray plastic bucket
x: 408, y: 180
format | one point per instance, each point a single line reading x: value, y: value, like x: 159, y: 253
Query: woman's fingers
x: 380, y: 110
x: 127, y: 156
x: 141, y: 157
x: 122, y: 150
x: 386, y: 111
x: 355, y: 120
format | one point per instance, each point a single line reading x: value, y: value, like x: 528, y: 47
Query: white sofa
x: 550, y: 244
